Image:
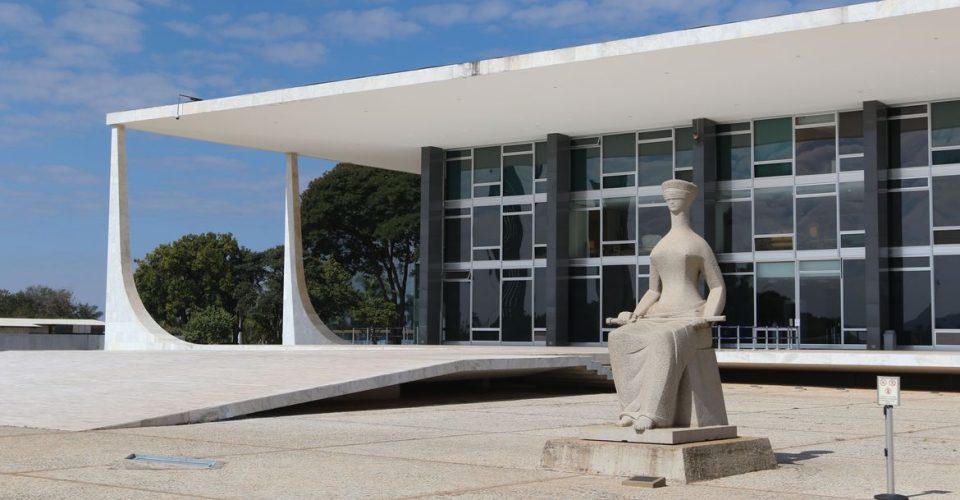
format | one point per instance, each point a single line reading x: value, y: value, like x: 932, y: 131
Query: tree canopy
x: 45, y: 302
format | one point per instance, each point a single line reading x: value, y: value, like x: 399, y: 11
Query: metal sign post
x: 888, y: 396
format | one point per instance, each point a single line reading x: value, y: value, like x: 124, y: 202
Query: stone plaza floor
x: 487, y: 444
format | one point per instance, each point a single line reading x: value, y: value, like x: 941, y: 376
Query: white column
x: 301, y: 325
x: 128, y: 324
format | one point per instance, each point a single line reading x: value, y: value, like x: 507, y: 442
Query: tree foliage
x: 210, y: 325
x: 45, y: 302
x: 369, y: 220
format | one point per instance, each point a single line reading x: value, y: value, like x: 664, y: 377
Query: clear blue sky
x: 64, y: 64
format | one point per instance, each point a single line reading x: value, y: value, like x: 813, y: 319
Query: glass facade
x: 789, y: 223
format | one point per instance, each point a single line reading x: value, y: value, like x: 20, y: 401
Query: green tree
x: 331, y: 291
x: 195, y: 272
x: 210, y: 325
x: 368, y: 219
x: 45, y: 302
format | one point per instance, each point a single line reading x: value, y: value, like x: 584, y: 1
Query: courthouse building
x: 826, y: 145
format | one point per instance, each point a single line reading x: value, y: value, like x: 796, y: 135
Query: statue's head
x: 679, y: 195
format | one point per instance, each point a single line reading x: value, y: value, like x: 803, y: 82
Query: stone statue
x: 663, y: 363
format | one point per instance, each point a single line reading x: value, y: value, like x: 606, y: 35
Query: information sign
x: 888, y: 391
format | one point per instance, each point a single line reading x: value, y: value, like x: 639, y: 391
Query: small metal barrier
x: 756, y: 337
x: 380, y: 336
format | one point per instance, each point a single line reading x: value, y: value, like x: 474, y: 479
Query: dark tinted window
x: 817, y: 223
x: 456, y: 311
x: 910, y: 307
x: 909, y: 218
x: 517, y: 311
x: 486, y: 298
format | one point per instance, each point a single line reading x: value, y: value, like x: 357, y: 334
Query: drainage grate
x: 199, y: 463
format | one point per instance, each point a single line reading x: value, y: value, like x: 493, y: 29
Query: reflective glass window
x: 734, y: 226
x: 540, y: 160
x: 486, y: 298
x: 910, y: 307
x: 733, y: 155
x: 456, y: 311
x: 486, y: 164
x: 653, y: 223
x: 816, y: 150
x: 540, y: 224
x: 517, y: 311
x: 584, y: 233
x: 739, y: 304
x: 908, y: 142
x: 619, y: 219
x: 456, y: 240
x: 517, y: 237
x: 909, y: 220
x: 772, y: 139
x: 619, y: 153
x: 486, y: 226
x: 619, y: 290
x: 946, y: 201
x: 540, y: 297
x: 775, y: 294
x: 773, y: 210
x: 820, y: 308
x: 946, y: 286
x: 457, y: 180
x: 817, y: 223
x: 683, y: 147
x: 585, y: 169
x: 945, y: 124
x: 851, y: 132
x: 851, y: 206
x: 654, y: 163
x: 585, y: 300
x: 517, y: 175
x: 854, y: 307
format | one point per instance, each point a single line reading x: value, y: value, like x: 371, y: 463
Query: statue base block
x: 673, y: 435
x: 679, y: 463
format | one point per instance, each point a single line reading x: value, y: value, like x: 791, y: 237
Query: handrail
x: 755, y: 337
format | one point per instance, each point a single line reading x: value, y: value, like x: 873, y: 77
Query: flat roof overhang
x: 895, y: 51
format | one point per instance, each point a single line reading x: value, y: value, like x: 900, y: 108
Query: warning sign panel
x: 888, y: 391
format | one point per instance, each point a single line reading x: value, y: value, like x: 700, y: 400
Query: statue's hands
x: 621, y: 319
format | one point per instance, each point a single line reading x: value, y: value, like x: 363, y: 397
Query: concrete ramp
x: 83, y: 390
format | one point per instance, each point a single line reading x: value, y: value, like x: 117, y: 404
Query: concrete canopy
x: 894, y: 51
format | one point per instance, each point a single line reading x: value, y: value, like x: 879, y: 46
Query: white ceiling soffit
x: 895, y: 51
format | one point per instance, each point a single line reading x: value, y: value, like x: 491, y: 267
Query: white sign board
x: 888, y: 391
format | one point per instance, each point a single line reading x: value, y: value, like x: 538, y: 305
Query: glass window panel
x: 773, y: 210
x: 585, y: 300
x: 946, y: 289
x: 684, y: 175
x: 517, y: 175
x: 518, y: 148
x: 584, y: 233
x: 851, y: 206
x: 683, y: 147
x: 946, y: 157
x: 486, y: 226
x: 946, y: 201
x: 486, y: 298
x: 483, y: 191
x: 854, y: 307
x: 619, y: 292
x: 816, y: 189
x: 910, y: 307
x: 773, y: 169
x: 486, y: 166
x: 463, y: 153
x: 456, y: 311
x: 773, y: 243
x: 775, y: 294
x: 816, y: 150
x: 908, y: 142
x: 851, y: 132
x: 820, y: 310
x: 619, y: 219
x: 487, y: 254
x: 456, y: 240
x: 653, y: 222
x: 615, y: 249
x: 772, y: 139
x: 945, y: 123
x: 539, y: 252
x: 540, y: 224
x: 618, y: 181
x: 457, y: 180
x: 653, y: 135
x: 585, y: 169
x: 619, y: 153
x: 733, y: 155
x: 817, y: 223
x: 810, y: 120
x: 734, y: 227
x: 739, y: 305
x: 907, y: 183
x: 540, y: 297
x: 946, y: 237
x: 518, y: 237
x: 916, y: 109
x: 909, y: 221
x: 517, y: 311
x: 819, y: 266
x: 486, y: 335
x: 733, y: 127
x: 654, y: 163
x: 540, y: 160
x: 851, y: 164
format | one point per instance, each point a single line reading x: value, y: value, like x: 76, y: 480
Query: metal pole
x: 888, y: 453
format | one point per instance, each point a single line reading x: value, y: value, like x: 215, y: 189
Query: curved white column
x: 128, y: 324
x: 301, y: 325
